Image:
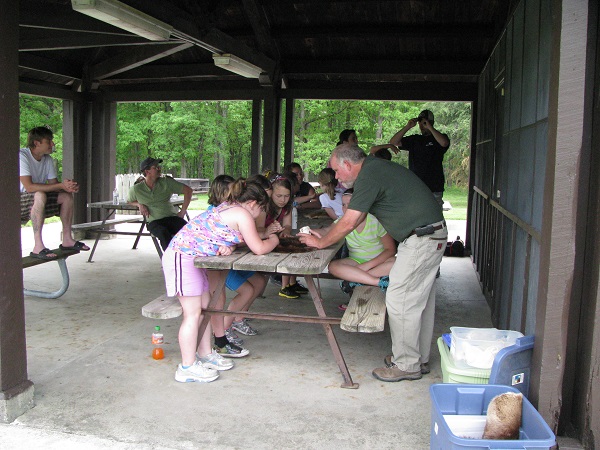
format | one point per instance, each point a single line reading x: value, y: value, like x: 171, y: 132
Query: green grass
x: 458, y: 198
x: 200, y: 204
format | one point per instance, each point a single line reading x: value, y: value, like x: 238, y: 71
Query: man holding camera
x: 425, y: 152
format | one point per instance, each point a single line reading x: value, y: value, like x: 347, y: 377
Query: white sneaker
x: 196, y: 372
x: 215, y: 361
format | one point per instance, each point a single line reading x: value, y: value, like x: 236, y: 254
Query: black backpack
x: 456, y: 248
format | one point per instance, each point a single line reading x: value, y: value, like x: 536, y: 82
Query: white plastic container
x: 477, y: 347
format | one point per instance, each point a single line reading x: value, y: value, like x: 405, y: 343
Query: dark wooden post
x: 558, y: 280
x: 16, y: 391
x: 271, y: 130
x: 74, y: 153
x: 101, y: 126
x: 288, y: 155
x: 255, y: 164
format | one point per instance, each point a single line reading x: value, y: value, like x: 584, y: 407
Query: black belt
x: 426, y: 230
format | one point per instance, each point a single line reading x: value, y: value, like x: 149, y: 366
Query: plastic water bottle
x: 157, y: 341
x: 294, y: 217
x: 116, y: 197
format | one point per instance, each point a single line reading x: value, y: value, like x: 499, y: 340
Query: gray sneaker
x: 231, y: 351
x: 243, y: 327
x: 233, y: 338
x: 195, y: 373
x: 215, y: 361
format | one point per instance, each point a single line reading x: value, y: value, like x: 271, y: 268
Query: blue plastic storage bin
x: 512, y: 365
x: 473, y: 400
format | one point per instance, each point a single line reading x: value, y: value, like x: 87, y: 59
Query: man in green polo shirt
x: 403, y: 204
x: 152, y: 197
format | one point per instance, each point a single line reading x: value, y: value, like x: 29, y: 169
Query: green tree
x: 319, y: 122
x: 134, y: 134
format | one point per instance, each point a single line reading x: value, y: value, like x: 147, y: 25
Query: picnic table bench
x: 108, y: 208
x: 62, y: 255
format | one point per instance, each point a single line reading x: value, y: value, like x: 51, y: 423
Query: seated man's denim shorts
x: 235, y: 278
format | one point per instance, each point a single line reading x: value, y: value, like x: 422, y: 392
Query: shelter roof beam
x: 130, y: 60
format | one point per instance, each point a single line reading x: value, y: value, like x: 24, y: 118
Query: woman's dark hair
x: 285, y: 182
x: 293, y: 165
x: 260, y: 179
x: 328, y: 181
x: 218, y: 189
x: 241, y: 191
x: 344, y: 135
x: 383, y: 153
x: 291, y: 176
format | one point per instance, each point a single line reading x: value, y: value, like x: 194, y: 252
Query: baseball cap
x: 427, y: 115
x: 149, y: 162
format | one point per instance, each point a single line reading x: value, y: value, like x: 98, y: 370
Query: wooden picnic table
x: 307, y: 265
x: 108, y: 208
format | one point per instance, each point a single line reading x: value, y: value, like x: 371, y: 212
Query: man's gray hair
x: 349, y: 152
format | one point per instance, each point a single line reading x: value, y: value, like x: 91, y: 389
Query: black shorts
x: 52, y: 206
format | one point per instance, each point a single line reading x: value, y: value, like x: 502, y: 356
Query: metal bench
x: 30, y: 261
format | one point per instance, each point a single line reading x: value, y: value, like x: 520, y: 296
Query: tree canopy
x: 205, y: 138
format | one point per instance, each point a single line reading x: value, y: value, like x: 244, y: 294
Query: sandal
x: 44, y: 254
x: 78, y: 246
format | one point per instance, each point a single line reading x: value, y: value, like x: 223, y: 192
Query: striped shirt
x: 366, y: 245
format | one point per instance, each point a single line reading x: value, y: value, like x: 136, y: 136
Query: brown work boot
x: 388, y: 363
x: 395, y: 374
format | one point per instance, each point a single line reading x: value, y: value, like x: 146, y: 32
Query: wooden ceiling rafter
x: 129, y: 60
x: 66, y: 42
x: 376, y: 44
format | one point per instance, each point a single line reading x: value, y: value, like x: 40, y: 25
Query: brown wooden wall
x: 509, y: 172
x: 535, y: 205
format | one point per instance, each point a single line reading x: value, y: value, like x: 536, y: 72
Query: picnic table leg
x: 98, y: 234
x: 139, y: 235
x: 333, y: 343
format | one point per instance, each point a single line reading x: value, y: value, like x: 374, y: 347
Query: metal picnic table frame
x: 307, y: 265
x: 110, y: 208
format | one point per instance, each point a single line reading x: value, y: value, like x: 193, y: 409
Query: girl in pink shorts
x: 214, y: 232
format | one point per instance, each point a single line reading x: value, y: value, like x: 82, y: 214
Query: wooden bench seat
x: 90, y: 229
x: 30, y: 261
x: 366, y: 311
x: 162, y: 307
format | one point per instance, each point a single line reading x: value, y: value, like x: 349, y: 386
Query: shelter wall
x: 509, y: 172
x: 534, y: 206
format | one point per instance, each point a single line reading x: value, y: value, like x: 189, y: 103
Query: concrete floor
x: 96, y: 385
